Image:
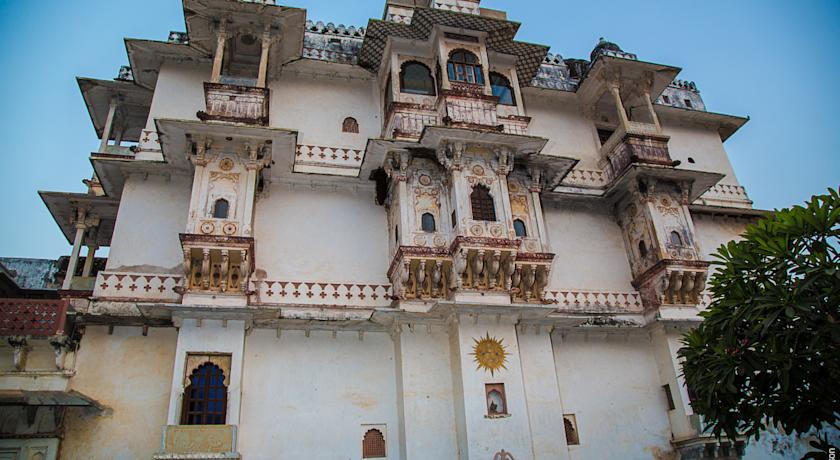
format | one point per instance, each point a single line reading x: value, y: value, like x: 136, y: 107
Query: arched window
x: 519, y: 228
x: 463, y: 66
x: 205, y: 399
x: 502, y: 89
x: 221, y: 208
x: 416, y: 78
x: 428, y: 222
x: 642, y: 249
x: 483, y: 207
x: 350, y: 125
x: 676, y: 239
x: 373, y: 444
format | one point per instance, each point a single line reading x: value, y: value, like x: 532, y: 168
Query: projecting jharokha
x: 422, y: 239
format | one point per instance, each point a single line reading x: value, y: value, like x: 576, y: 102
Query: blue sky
x: 775, y: 61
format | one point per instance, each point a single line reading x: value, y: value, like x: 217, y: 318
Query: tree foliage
x: 767, y: 351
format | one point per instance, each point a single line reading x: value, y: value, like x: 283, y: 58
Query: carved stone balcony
x: 238, y: 104
x: 470, y: 264
x: 217, y: 264
x: 466, y: 108
x: 422, y: 273
x: 189, y: 442
x: 530, y: 276
x: 637, y: 143
x: 673, y: 282
x: 34, y: 318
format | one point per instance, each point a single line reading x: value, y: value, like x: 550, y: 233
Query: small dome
x: 603, y: 45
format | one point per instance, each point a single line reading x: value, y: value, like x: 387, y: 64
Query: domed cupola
x: 602, y: 47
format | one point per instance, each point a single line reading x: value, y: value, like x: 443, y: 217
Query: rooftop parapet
x: 331, y: 43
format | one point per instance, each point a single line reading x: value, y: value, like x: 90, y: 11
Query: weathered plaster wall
x: 323, y: 235
x: 426, y: 393
x: 139, y: 246
x: 612, y: 386
x: 545, y: 409
x: 179, y: 93
x: 558, y: 118
x: 316, y: 108
x: 589, y: 249
x: 715, y: 231
x: 129, y: 374
x: 320, y: 390
x: 701, y: 144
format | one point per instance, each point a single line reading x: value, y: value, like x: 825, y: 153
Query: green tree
x: 766, y: 353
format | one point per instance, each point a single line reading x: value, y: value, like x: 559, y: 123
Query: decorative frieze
x: 318, y: 159
x: 321, y: 293
x: 595, y: 301
x: 586, y: 178
x: 127, y: 286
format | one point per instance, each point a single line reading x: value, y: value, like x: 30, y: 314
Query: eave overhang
x: 728, y: 211
x: 500, y: 34
x: 202, y: 18
x: 70, y: 398
x: 63, y: 207
x: 726, y: 125
x: 133, y: 101
x: 592, y: 85
x: 146, y: 57
x: 701, y: 181
x: 174, y: 135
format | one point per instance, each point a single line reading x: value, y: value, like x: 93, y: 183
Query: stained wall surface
x: 131, y: 376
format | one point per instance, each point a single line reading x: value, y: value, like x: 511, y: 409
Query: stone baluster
x: 205, y: 269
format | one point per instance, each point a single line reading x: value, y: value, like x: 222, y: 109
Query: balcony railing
x: 469, y: 110
x: 27, y: 317
x: 406, y: 121
x: 233, y: 103
x: 636, y: 143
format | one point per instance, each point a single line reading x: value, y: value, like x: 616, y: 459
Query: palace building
x: 420, y: 239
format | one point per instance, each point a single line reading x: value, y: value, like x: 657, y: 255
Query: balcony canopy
x: 133, y: 103
x: 63, y: 208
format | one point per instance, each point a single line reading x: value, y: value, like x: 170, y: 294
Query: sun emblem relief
x: 489, y: 353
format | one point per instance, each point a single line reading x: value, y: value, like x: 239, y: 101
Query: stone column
x: 81, y: 226
x: 250, y: 188
x: 109, y: 123
x: 540, y: 219
x: 221, y: 38
x: 91, y: 254
x: 263, y: 73
x: 653, y: 115
x: 619, y: 106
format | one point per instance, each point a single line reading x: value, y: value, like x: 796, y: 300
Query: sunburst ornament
x: 489, y: 353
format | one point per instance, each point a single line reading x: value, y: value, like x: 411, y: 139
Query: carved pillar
x: 653, y: 115
x: 81, y: 226
x: 263, y: 72
x: 221, y: 38
x: 18, y: 344
x: 91, y: 254
x: 199, y: 160
x: 109, y: 122
x: 619, y: 106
